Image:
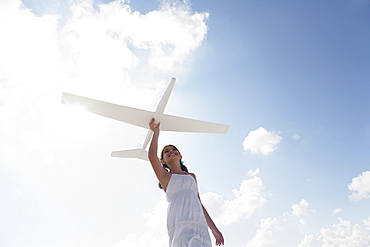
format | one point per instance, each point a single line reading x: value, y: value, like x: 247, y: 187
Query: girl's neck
x: 175, y: 168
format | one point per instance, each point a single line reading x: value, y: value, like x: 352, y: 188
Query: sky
x: 291, y: 78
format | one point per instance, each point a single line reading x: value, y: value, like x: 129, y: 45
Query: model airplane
x: 142, y: 118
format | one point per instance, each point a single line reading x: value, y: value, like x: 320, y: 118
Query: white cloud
x: 261, y: 141
x: 166, y: 36
x: 146, y: 239
x: 367, y: 223
x: 155, y: 234
x: 337, y: 211
x: 253, y: 173
x: 156, y: 219
x: 344, y: 233
x: 266, y: 234
x: 299, y: 210
x: 361, y: 187
x: 249, y: 197
x: 307, y: 241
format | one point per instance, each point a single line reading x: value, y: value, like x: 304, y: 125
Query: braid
x: 183, y: 167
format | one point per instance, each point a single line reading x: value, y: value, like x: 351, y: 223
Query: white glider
x: 142, y: 118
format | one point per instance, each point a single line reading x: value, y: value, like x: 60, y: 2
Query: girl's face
x: 170, y: 153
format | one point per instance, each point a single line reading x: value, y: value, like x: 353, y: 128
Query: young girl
x: 187, y: 219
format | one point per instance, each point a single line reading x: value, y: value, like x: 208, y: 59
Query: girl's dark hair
x: 183, y: 167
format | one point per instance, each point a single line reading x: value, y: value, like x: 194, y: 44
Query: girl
x: 187, y: 219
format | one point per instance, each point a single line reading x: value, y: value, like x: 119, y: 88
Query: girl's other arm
x: 216, y: 233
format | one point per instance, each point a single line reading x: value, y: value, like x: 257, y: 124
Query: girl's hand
x: 218, y: 236
x: 154, y: 127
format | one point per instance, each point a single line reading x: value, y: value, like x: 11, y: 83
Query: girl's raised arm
x: 161, y: 173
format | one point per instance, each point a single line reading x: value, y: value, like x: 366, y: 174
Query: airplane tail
x: 133, y: 153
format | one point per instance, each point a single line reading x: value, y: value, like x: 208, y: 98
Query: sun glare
x: 73, y: 120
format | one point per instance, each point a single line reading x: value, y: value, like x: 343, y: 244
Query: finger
x: 219, y: 242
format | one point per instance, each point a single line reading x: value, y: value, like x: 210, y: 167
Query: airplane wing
x: 133, y: 153
x: 121, y: 113
x: 180, y: 124
x: 142, y: 118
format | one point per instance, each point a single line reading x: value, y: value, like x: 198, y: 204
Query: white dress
x: 186, y: 224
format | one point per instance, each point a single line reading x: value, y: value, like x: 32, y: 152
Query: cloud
x: 249, y: 197
x: 146, y: 239
x: 261, y: 141
x: 298, y: 210
x: 271, y: 226
x: 265, y: 233
x: 159, y: 40
x: 157, y: 218
x: 155, y: 233
x: 273, y: 231
x: 361, y: 187
x: 307, y: 241
x: 253, y: 173
x: 367, y: 223
x: 344, y: 233
x: 337, y: 211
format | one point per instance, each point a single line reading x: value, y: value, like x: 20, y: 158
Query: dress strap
x: 177, y: 173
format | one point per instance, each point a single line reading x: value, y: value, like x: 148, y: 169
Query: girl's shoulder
x: 193, y: 175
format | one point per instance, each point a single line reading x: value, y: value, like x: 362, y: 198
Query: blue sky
x: 290, y: 77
